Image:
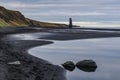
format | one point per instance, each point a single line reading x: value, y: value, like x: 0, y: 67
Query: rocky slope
x: 15, y: 18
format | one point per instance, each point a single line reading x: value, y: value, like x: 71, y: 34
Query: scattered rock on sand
x: 69, y: 65
x: 87, y: 65
x: 15, y: 63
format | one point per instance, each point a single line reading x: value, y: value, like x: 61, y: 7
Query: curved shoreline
x: 30, y: 67
x: 40, y: 68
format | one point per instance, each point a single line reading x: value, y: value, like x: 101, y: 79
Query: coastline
x: 30, y: 67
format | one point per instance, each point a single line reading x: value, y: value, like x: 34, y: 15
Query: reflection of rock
x: 87, y: 69
x: 69, y: 65
x: 87, y: 65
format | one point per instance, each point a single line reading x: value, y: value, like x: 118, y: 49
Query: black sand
x: 32, y: 68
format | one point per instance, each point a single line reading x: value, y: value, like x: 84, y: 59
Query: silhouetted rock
x: 87, y: 65
x: 69, y: 65
x: 70, y: 23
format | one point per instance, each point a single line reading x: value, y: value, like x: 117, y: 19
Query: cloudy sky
x: 93, y: 13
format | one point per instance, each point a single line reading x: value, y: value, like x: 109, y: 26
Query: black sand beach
x: 17, y: 64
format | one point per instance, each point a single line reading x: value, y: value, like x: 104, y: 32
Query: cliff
x: 10, y: 18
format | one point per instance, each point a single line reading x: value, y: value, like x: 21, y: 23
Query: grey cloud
x: 60, y: 10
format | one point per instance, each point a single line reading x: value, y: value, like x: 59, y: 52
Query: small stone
x: 87, y: 65
x: 69, y: 65
x: 15, y: 63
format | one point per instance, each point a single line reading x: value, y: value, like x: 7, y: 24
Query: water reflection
x: 87, y: 69
x: 105, y: 52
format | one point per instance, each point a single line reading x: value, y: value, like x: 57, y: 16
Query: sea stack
x: 70, y: 23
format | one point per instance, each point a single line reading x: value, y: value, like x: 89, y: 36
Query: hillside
x: 10, y: 18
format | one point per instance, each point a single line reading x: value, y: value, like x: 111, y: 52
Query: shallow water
x: 105, y: 52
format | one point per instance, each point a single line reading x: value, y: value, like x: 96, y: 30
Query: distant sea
x: 92, y: 25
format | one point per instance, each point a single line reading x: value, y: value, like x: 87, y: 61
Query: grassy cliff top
x: 11, y: 18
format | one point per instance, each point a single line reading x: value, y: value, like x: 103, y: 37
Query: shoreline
x: 30, y: 67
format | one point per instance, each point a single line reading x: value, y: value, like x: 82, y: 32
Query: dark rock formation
x: 69, y: 65
x: 87, y: 65
x: 70, y: 23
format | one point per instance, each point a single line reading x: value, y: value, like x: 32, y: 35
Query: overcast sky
x: 84, y: 12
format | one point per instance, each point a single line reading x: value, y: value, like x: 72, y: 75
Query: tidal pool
x: 104, y: 51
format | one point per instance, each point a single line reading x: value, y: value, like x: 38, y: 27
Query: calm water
x: 105, y: 52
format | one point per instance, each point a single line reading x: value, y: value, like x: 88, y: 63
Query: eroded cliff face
x: 12, y: 18
x: 16, y: 18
